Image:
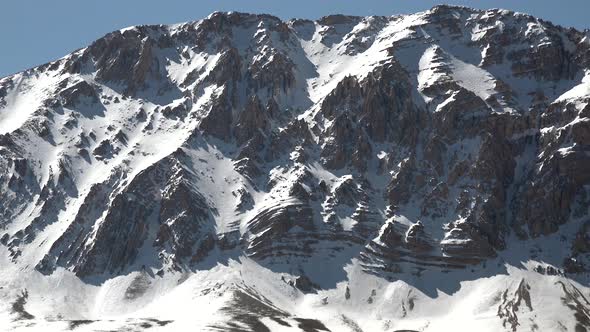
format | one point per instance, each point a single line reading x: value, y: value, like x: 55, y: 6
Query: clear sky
x: 33, y: 32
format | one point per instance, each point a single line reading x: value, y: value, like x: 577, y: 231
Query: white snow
x: 24, y: 99
x: 580, y: 91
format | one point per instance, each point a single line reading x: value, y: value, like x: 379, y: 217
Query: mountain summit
x: 425, y: 172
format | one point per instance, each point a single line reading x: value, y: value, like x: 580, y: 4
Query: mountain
x: 425, y: 172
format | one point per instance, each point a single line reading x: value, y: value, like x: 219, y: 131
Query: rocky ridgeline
x: 164, y: 146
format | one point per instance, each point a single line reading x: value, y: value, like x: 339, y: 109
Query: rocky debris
x: 138, y: 286
x: 548, y: 270
x: 247, y: 307
x: 578, y: 303
x: 244, y: 200
x: 38, y: 126
x: 304, y: 284
x: 105, y: 150
x: 18, y: 306
x: 121, y: 137
x: 509, y: 308
x: 175, y: 111
x: 76, y: 93
x: 3, y: 93
x: 4, y: 239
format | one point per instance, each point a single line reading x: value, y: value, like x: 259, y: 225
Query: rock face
x: 429, y: 142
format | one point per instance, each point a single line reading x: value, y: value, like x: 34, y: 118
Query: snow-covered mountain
x: 426, y: 172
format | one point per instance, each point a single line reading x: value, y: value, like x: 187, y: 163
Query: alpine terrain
x: 425, y: 172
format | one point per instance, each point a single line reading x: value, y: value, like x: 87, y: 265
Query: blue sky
x: 33, y: 32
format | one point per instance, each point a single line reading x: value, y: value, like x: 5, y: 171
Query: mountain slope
x: 420, y: 172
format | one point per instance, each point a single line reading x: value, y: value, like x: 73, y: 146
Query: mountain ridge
x: 346, y: 163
